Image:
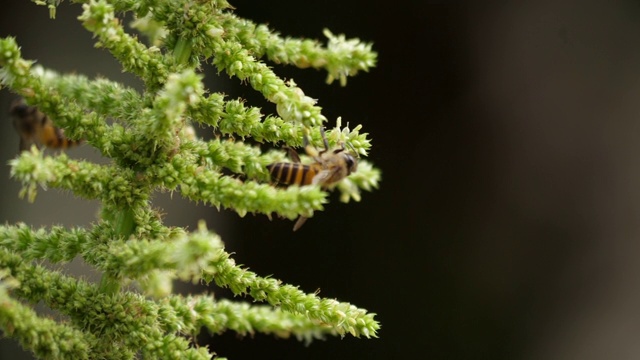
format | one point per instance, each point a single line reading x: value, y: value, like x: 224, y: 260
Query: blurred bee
x: 35, y: 127
x: 328, y: 168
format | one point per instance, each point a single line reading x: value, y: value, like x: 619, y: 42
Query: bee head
x: 20, y: 109
x: 24, y: 117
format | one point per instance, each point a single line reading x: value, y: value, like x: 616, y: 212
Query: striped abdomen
x: 53, y: 137
x: 290, y: 173
x: 34, y: 126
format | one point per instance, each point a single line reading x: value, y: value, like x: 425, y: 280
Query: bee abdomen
x: 53, y: 137
x: 291, y: 173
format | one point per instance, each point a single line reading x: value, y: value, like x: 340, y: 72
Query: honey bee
x: 328, y: 168
x: 35, y: 127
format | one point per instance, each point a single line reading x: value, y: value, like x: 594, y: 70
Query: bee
x: 35, y: 127
x: 328, y: 168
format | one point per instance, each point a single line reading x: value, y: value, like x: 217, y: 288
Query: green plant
x: 149, y: 139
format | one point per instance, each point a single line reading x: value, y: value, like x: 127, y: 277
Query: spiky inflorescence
x: 148, y: 139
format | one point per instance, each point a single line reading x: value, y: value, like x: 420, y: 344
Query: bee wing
x: 321, y: 177
x: 327, y: 177
x: 293, y: 155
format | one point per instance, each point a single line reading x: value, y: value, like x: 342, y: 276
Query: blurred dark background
x: 506, y: 223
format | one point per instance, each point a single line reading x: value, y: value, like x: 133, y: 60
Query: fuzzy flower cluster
x: 149, y: 138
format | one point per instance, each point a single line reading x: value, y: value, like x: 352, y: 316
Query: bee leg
x: 25, y: 144
x: 299, y: 222
x: 305, y: 138
x: 310, y: 149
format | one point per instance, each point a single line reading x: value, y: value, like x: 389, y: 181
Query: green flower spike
x: 149, y: 139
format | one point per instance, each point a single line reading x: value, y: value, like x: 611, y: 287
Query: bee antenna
x: 324, y: 138
x: 353, y: 149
